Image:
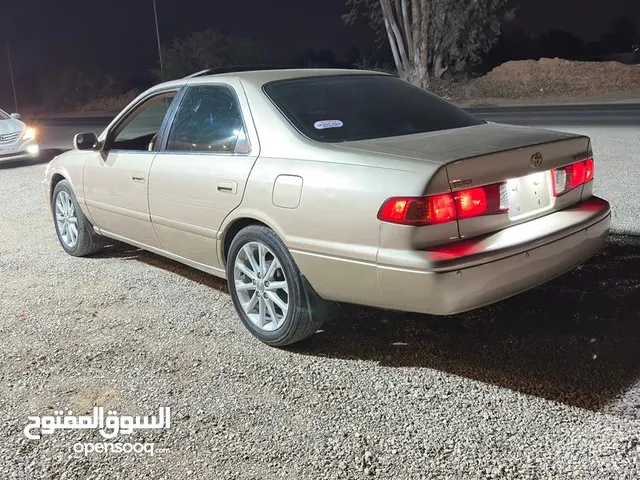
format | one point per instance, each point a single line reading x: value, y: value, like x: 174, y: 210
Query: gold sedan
x: 310, y: 188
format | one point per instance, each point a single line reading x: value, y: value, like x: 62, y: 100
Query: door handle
x: 137, y: 177
x: 228, y: 187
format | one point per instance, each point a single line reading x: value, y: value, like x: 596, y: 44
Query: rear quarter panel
x: 334, y: 233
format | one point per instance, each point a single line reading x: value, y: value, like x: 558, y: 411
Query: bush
x: 109, y: 104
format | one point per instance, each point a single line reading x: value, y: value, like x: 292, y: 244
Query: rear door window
x: 208, y: 119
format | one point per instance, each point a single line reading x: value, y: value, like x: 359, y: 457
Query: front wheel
x: 75, y: 232
x: 267, y: 289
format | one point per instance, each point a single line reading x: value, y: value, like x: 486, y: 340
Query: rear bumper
x: 478, y: 272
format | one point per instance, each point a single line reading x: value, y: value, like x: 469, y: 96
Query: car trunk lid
x: 449, y: 146
x: 486, y: 154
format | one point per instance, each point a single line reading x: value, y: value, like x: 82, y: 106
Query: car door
x: 116, y: 177
x: 199, y: 176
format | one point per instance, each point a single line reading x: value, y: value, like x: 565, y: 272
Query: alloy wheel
x: 261, y: 285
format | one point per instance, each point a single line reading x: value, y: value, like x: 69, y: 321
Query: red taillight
x: 471, y: 203
x: 576, y: 174
x: 440, y: 209
x: 482, y: 201
x: 418, y: 210
x: 395, y: 210
x: 572, y: 176
x: 445, y: 207
x: 588, y: 173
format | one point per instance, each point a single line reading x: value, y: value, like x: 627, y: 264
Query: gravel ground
x: 544, y: 385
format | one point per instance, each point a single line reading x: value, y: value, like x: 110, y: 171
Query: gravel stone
x: 543, y: 385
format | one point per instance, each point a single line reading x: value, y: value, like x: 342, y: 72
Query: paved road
x: 614, y: 129
x: 58, y: 132
x: 610, y: 114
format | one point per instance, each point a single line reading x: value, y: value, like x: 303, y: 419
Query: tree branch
x: 415, y: 27
x: 393, y: 43
x: 392, y: 26
x: 407, y: 27
x: 425, y: 18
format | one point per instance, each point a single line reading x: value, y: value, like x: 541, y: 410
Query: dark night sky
x: 119, y: 35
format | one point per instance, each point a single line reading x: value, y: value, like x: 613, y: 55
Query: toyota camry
x: 310, y: 188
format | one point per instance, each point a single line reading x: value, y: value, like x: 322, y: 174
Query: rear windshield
x: 359, y: 107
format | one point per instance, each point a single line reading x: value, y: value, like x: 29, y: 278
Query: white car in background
x: 17, y: 140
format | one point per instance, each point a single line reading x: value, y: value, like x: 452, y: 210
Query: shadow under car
x: 574, y: 340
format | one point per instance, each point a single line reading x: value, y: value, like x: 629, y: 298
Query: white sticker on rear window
x: 322, y: 124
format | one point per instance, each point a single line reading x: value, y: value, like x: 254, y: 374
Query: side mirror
x: 16, y: 116
x: 85, y: 141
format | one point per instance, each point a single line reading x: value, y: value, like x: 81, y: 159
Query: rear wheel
x: 75, y: 232
x: 267, y: 289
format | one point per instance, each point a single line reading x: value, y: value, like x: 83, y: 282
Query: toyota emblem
x: 536, y: 160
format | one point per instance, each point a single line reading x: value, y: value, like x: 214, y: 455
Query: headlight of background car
x: 29, y: 134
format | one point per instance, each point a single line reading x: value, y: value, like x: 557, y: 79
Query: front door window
x: 140, y: 129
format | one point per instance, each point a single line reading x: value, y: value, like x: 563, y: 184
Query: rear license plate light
x: 529, y: 195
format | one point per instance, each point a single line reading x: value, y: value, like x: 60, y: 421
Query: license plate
x: 5, y: 150
x: 529, y: 195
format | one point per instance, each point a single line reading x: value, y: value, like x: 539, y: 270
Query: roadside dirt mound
x: 557, y: 77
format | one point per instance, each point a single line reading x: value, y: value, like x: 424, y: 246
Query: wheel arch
x: 318, y: 309
x: 56, y: 178
x: 231, y: 230
x: 234, y: 226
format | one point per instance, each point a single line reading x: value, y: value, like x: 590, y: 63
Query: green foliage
x: 201, y: 50
x: 461, y: 31
x: 371, y: 11
x: 368, y: 63
x: 453, y: 34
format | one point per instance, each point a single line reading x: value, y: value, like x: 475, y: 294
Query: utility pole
x: 155, y: 14
x: 13, y: 83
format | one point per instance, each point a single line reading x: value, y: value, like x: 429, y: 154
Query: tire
x: 299, y: 322
x: 86, y: 241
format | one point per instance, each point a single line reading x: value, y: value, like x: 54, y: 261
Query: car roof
x: 260, y: 77
x: 269, y: 74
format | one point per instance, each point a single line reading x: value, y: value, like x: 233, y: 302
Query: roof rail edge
x: 240, y: 68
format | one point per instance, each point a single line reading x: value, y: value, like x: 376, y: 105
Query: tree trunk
x: 418, y: 75
x: 406, y: 24
x: 393, y: 40
x: 438, y: 69
x: 422, y: 49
